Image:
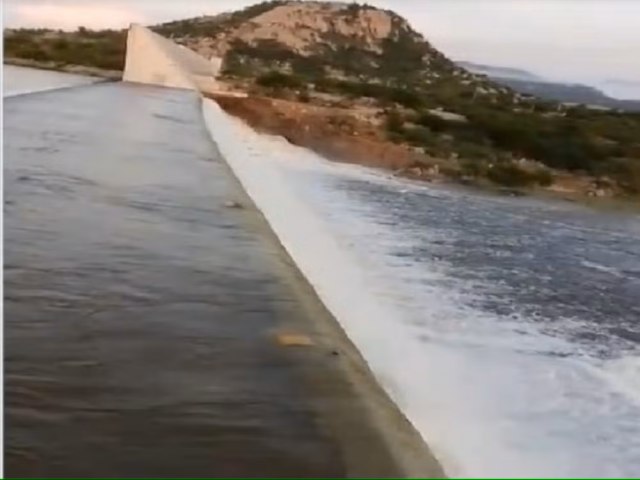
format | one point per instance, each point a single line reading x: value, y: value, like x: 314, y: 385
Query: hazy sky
x: 581, y: 40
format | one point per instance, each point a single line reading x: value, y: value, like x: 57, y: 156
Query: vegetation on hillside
x: 101, y: 49
x: 497, y: 134
x: 210, y: 26
x: 510, y: 138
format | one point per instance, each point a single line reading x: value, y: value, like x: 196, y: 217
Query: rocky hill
x: 341, y: 40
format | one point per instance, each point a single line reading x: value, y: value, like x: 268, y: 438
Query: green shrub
x: 473, y: 168
x: 433, y: 122
x: 394, y: 123
x: 627, y: 172
x: 102, y: 48
x: 279, y: 80
x: 418, y: 136
x: 405, y: 97
x: 544, y: 178
x: 512, y: 175
x: 402, y: 96
x: 304, y: 96
x: 473, y: 151
x: 61, y: 44
x: 451, y: 170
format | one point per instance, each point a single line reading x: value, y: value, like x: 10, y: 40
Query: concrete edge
x: 374, y: 436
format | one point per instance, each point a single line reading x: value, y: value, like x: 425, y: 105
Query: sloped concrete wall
x: 155, y: 60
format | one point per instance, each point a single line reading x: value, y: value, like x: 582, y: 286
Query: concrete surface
x: 154, y: 60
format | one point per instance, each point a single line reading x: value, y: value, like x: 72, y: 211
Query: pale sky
x: 571, y: 40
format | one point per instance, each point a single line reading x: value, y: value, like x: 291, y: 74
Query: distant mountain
x: 569, y: 93
x: 499, y: 72
x: 622, y: 88
x: 531, y: 84
x: 623, y: 83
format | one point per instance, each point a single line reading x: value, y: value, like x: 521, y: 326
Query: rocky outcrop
x: 341, y: 39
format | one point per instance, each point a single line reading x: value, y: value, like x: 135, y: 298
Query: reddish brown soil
x: 339, y: 134
x: 331, y: 132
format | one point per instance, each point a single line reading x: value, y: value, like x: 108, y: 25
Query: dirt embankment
x: 348, y: 135
x: 332, y: 132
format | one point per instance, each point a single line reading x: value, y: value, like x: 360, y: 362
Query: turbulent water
x: 508, y: 330
x: 21, y: 80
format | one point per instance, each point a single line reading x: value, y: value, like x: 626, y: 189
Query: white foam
x: 624, y: 374
x: 20, y: 80
x: 486, y: 393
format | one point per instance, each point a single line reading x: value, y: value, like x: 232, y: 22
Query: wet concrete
x: 139, y: 309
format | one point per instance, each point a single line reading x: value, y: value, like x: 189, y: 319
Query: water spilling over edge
x: 492, y: 398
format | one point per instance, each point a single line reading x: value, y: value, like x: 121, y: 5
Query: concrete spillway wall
x: 155, y: 60
x: 152, y: 59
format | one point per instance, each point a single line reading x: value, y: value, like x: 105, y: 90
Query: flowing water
x: 139, y: 311
x: 508, y: 330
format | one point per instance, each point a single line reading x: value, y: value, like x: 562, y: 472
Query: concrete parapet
x: 155, y: 60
